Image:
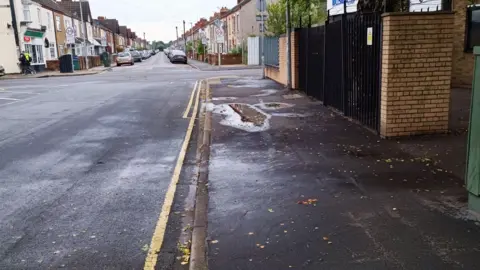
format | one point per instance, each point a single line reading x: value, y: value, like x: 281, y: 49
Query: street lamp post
x: 84, y: 49
x: 262, y: 11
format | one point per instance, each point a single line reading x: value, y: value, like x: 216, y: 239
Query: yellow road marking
x: 187, y: 110
x: 159, y: 233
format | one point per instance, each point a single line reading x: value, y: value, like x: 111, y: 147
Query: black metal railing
x: 340, y: 64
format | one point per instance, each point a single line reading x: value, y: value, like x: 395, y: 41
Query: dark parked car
x: 137, y: 57
x: 2, y: 70
x: 177, y: 56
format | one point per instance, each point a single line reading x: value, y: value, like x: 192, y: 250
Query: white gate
x: 253, y: 51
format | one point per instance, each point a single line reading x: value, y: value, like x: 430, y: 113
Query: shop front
x: 34, y: 44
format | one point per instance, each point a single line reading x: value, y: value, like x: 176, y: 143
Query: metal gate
x: 340, y: 64
x: 362, y: 60
x: 311, y: 57
x: 334, y: 77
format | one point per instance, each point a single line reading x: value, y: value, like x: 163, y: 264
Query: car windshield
x: 123, y: 54
x: 134, y: 53
x: 177, y: 52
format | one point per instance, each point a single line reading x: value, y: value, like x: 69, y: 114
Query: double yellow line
x: 185, y: 114
x: 160, y: 228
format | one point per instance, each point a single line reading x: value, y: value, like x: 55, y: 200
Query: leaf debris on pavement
x: 185, y: 250
x: 270, y: 210
x: 308, y: 202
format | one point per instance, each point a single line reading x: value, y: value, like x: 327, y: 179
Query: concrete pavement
x: 292, y: 185
x: 86, y: 163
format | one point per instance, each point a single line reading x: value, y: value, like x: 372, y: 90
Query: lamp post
x: 84, y: 49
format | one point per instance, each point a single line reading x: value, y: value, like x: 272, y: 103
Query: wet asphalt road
x: 85, y: 163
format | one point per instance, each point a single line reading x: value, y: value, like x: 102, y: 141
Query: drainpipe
x: 14, y: 22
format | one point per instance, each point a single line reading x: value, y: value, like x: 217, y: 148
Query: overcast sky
x: 157, y: 18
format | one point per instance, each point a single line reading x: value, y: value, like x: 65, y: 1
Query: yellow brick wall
x: 462, y: 72
x: 279, y: 74
x: 416, y: 73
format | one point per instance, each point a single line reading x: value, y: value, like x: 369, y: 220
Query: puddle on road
x: 270, y: 106
x: 292, y: 115
x: 223, y: 98
x: 243, y: 116
x: 266, y: 92
x: 250, y: 83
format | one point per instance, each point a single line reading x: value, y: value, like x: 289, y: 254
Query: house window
x: 52, y: 51
x: 61, y: 50
x: 472, y: 37
x: 58, y: 23
x: 26, y: 14
x: 39, y: 14
x: 49, y: 23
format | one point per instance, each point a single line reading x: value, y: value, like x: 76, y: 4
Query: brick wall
x: 462, y: 73
x: 279, y: 74
x: 227, y: 59
x: 53, y: 65
x: 416, y: 73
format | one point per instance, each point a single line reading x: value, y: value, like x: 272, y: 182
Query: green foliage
x: 300, y: 11
x: 189, y: 47
x: 236, y: 50
x: 200, y: 47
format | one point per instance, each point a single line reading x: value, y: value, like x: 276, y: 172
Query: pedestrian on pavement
x: 25, y: 60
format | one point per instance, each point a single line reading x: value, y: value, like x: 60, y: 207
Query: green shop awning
x: 32, y: 33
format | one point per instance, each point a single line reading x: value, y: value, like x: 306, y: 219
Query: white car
x: 125, y: 58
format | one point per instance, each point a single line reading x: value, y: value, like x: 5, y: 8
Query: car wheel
x: 118, y: 65
x: 133, y: 63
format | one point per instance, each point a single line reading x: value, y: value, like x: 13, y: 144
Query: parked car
x: 170, y: 52
x: 2, y: 71
x: 137, y: 57
x: 166, y: 51
x: 145, y: 54
x: 178, y: 56
x: 124, y: 58
x: 153, y: 52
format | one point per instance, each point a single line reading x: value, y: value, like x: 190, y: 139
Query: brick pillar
x: 416, y: 73
x: 462, y: 70
x: 295, y: 59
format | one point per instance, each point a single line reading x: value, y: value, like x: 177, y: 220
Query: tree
x: 300, y: 11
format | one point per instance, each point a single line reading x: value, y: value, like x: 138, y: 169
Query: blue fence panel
x: 271, y: 51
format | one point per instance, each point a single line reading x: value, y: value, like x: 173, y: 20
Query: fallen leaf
x: 270, y: 210
x: 330, y: 243
x: 250, y: 233
x: 214, y: 241
x: 285, y: 231
x: 308, y: 202
x: 183, y: 263
x: 262, y: 246
x: 145, y: 248
x: 325, y: 238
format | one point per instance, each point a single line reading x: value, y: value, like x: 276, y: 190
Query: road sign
x: 369, y: 36
x: 70, y: 35
x: 218, y: 23
x: 219, y: 35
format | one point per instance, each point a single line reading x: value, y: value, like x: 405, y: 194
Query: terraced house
x: 30, y: 28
